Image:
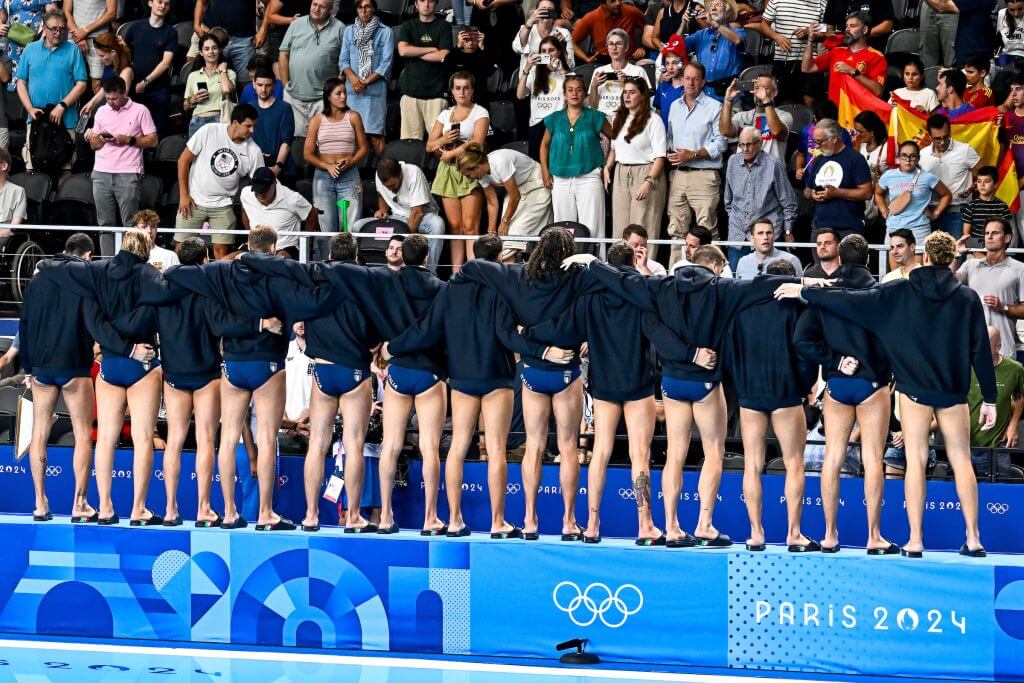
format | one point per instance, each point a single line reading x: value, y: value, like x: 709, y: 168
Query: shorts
x: 548, y: 382
x: 338, y: 380
x: 850, y: 391
x: 480, y: 387
x: 770, y: 406
x: 188, y: 383
x: 222, y: 217
x: 897, y: 458
x: 250, y: 375
x: 686, y: 389
x: 124, y: 372
x: 410, y: 382
x: 51, y: 381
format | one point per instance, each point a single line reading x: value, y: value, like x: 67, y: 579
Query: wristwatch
x: 132, y: 141
x: 145, y: 81
x: 652, y: 180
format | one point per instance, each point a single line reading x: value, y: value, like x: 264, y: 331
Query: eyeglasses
x: 616, y: 43
x: 746, y: 145
x: 56, y: 29
x: 941, y: 138
x: 909, y: 157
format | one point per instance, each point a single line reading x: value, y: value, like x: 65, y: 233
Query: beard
x: 849, y: 40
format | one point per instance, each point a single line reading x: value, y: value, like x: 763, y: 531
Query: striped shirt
x: 978, y: 212
x: 789, y: 15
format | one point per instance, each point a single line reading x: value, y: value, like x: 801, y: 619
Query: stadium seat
x: 181, y: 75
x: 753, y: 44
x: 503, y: 120
x: 37, y: 191
x: 77, y: 186
x: 904, y: 40
x: 578, y: 230
x: 801, y: 116
x: 168, y: 207
x: 168, y: 151
x: 304, y: 186
x: 15, y: 110
x: 410, y: 151
x: 184, y: 31
x: 752, y: 72
x: 732, y: 462
x: 150, y: 192
x: 586, y: 72
x: 931, y: 76
x: 521, y: 146
x: 652, y: 75
x: 302, y: 168
x: 372, y: 248
x: 775, y: 466
x: 495, y: 80
x: 123, y: 28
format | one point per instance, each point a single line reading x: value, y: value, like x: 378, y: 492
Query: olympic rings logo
x: 513, y: 488
x: 54, y: 470
x: 627, y: 494
x: 584, y: 607
x: 998, y: 508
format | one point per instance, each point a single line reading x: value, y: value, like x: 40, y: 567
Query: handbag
x: 21, y: 34
x: 902, y: 201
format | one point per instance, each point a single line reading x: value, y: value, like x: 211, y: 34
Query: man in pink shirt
x: 121, y: 130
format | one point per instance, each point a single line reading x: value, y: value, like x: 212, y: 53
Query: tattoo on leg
x: 642, y: 489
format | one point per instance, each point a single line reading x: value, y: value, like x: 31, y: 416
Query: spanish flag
x: 1009, y: 184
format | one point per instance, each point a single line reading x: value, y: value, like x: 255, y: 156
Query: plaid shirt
x: 760, y: 189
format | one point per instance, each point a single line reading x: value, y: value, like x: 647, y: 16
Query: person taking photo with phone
x: 541, y: 81
x: 208, y: 86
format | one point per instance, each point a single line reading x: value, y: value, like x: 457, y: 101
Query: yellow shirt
x: 897, y: 275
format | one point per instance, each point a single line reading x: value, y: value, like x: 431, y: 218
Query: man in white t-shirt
x: 268, y: 202
x: 404, y: 193
x: 159, y: 258
x: 298, y: 373
x: 13, y: 204
x: 606, y: 83
x: 636, y: 236
x: 955, y: 163
x: 773, y: 124
x: 210, y: 172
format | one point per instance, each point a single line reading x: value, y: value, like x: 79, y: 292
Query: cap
x: 262, y: 180
x: 677, y: 45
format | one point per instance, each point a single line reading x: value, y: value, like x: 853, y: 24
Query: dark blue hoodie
x: 931, y: 327
x: 532, y: 302
x: 622, y: 362
x: 58, y: 325
x: 694, y: 304
x: 824, y: 338
x: 393, y: 300
x: 478, y: 331
x: 760, y: 357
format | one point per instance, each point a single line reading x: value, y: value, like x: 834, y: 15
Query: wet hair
x: 344, y: 247
x: 620, y: 254
x: 79, y: 244
x: 906, y: 233
x: 192, y: 251
x: 414, y: 250
x: 853, y: 250
x: 643, y: 114
x: 781, y: 267
x: 940, y: 247
x: 555, y: 245
x: 708, y: 255
x: 262, y: 238
x: 487, y: 247
x: 138, y: 242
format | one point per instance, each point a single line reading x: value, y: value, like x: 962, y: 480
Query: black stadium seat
x: 37, y: 191
x: 150, y: 192
x: 410, y: 151
x: 372, y: 248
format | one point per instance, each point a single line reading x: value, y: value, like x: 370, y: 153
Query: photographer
x: 469, y: 57
x: 719, y: 47
x: 539, y: 25
x: 772, y: 124
x: 541, y: 81
x: 606, y: 85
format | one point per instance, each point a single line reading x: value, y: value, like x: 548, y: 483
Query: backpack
x: 50, y: 146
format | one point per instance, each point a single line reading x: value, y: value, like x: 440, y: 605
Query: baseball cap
x: 262, y: 180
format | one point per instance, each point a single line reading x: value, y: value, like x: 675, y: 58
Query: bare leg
x: 536, y: 416
x: 395, y: 421
x: 678, y: 423
x: 179, y: 411
x: 234, y: 405
x: 79, y: 396
x: 355, y: 416
x: 472, y: 206
x: 915, y: 419
x: 640, y: 428
x: 453, y: 212
x: 465, y: 412
x: 322, y: 409
x: 143, y: 406
x: 956, y: 430
x: 710, y: 416
x: 606, y: 420
x: 111, y: 402
x: 497, y: 412
x: 790, y: 427
x: 206, y: 405
x: 839, y: 419
x: 431, y: 406
x: 873, y: 416
x: 754, y: 429
x: 568, y: 407
x: 44, y: 398
x: 268, y: 401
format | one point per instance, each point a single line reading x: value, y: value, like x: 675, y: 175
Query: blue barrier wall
x: 944, y: 616
x: 1001, y: 504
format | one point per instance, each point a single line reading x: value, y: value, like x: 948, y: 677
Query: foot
x: 85, y: 510
x: 271, y: 520
x: 649, y: 533
x: 569, y: 526
x: 874, y: 543
x: 912, y: 547
x: 207, y: 516
x: 800, y: 539
x: 357, y: 522
x: 756, y: 539
x: 708, y: 531
x: 434, y: 525
x: 503, y: 528
x: 171, y: 513
x: 531, y: 525
x: 308, y: 521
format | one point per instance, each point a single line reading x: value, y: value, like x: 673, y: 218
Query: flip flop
x: 591, y: 539
x: 434, y: 532
x: 967, y: 552
x: 914, y: 554
x: 47, y: 517
x: 365, y: 529
x: 811, y: 547
x: 393, y: 529
x: 173, y: 522
x: 531, y: 535
x: 239, y: 523
x: 209, y: 523
x: 892, y: 549
x: 756, y: 547
x: 830, y: 550
x: 82, y: 519
x: 280, y: 525
x: 647, y: 542
x: 311, y: 527
x: 719, y: 541
x: 461, y: 533
x: 575, y: 536
x: 515, y: 532
x: 687, y: 541
x: 113, y: 520
x: 154, y: 520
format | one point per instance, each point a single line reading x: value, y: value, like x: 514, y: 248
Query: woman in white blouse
x: 636, y: 164
x: 541, y: 81
x: 539, y: 25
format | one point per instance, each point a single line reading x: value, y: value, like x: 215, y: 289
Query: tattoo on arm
x: 642, y: 489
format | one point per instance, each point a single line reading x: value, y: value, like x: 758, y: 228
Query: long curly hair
x: 555, y: 245
x: 643, y: 113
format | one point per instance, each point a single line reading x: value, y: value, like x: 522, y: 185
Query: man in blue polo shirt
x: 52, y: 72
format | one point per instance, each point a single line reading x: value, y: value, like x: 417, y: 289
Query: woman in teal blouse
x: 571, y: 159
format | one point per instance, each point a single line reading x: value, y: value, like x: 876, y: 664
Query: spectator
x: 367, y: 49
x: 826, y: 243
x: 454, y: 128
x: 334, y: 147
x: 261, y: 63
x: 695, y: 149
x: 275, y: 128
x: 527, y: 206
x: 13, y: 202
x: 771, y: 123
x: 895, y: 457
x: 986, y: 456
x: 539, y: 25
x: 117, y: 61
x: 914, y: 91
x: 424, y: 42
x: 210, y: 172
x: 636, y: 236
x: 808, y: 149
x: 209, y: 87
x: 978, y: 94
x: 756, y: 185
x: 762, y: 236
x: 695, y: 239
x: 153, y: 43
x: 878, y: 16
x: 1013, y: 121
x: 999, y: 282
x: 469, y: 55
x: 571, y: 159
x: 636, y: 162
x: 986, y: 207
x: 393, y: 253
x: 88, y: 19
x: 903, y: 195
x: 309, y: 56
x: 975, y: 33
x: 267, y: 202
x: 1011, y: 33
x: 121, y: 130
x: 607, y: 81
x: 719, y: 47
x: 298, y: 380
x: 785, y: 23
x: 950, y: 90
x: 938, y: 36
x: 51, y: 73
x: 670, y: 87
x: 5, y: 79
x: 598, y: 26
x: 838, y: 181
x: 543, y: 84
x: 665, y: 19
x: 279, y: 15
x: 953, y: 162
x: 239, y: 20
x: 502, y: 19
x: 871, y: 139
x: 403, y: 193
x: 27, y: 13
x: 853, y: 58
x: 149, y: 222
x: 902, y: 255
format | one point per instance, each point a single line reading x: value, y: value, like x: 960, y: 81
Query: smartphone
x: 975, y: 244
x: 454, y: 128
x: 545, y: 60
x: 472, y: 34
x: 746, y: 86
x: 548, y: 14
x: 201, y: 85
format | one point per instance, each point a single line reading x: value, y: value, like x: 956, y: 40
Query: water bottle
x: 343, y: 214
